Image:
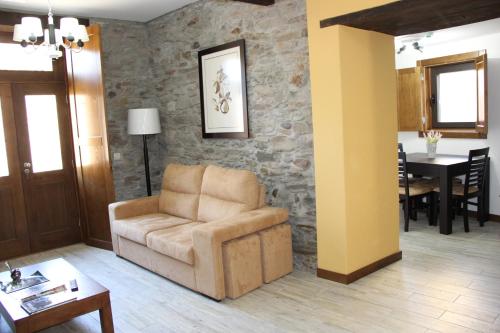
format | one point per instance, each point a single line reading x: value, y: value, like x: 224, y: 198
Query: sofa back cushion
x: 227, y: 192
x: 180, y: 192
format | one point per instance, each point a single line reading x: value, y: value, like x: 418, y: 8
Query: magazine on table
x: 47, y: 299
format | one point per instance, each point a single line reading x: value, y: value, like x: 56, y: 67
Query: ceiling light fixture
x: 418, y: 47
x: 416, y: 41
x: 71, y: 35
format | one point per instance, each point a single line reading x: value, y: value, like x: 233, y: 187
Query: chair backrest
x: 400, y: 147
x: 476, y: 169
x: 402, y: 173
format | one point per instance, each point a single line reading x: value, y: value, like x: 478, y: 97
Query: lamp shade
x: 143, y: 121
x: 19, y: 33
x: 69, y: 26
x: 81, y: 34
x: 32, y: 26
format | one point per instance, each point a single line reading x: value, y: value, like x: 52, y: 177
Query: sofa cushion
x: 175, y: 242
x: 136, y: 228
x: 180, y: 191
x: 227, y: 192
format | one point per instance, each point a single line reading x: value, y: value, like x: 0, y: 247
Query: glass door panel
x: 43, y: 129
x: 4, y: 165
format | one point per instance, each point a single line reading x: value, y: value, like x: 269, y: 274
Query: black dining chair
x: 473, y: 186
x: 409, y: 192
x: 400, y: 147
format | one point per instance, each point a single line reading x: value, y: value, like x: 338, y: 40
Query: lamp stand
x: 146, y: 163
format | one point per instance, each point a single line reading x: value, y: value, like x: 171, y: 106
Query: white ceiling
x: 453, y: 34
x: 132, y: 10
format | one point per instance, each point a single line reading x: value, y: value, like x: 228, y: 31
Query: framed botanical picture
x: 223, y: 91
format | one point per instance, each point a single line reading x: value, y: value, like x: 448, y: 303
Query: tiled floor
x: 443, y: 284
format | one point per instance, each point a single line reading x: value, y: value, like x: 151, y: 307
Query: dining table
x: 446, y: 167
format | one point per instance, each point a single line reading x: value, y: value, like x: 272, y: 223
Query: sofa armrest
x: 209, y: 237
x: 131, y: 208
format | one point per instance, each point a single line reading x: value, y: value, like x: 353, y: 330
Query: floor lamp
x: 144, y: 122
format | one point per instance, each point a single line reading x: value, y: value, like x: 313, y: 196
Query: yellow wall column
x: 353, y: 86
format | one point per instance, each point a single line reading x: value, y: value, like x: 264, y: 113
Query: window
x: 4, y: 165
x: 43, y: 129
x: 455, y: 95
x: 16, y: 58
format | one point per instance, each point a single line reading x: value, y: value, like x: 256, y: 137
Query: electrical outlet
x: 117, y: 156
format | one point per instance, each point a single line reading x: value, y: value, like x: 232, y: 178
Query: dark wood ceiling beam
x: 11, y: 18
x: 415, y: 16
x: 258, y: 2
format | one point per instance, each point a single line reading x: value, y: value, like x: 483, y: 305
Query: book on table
x: 47, y: 299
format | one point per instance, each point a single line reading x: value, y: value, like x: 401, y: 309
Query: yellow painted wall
x: 353, y: 88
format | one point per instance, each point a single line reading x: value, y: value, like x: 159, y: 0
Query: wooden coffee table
x: 91, y: 296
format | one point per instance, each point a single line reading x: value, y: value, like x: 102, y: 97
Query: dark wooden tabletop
x: 58, y: 271
x: 440, y: 159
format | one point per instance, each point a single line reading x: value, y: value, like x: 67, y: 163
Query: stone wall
x: 280, y: 149
x: 127, y: 74
x: 156, y: 65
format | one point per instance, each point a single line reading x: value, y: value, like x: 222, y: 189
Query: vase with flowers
x: 432, y: 138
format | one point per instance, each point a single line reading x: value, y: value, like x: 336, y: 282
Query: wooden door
x: 86, y: 94
x: 46, y: 157
x: 14, y: 240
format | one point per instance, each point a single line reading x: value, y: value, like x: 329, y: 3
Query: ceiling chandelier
x: 70, y: 35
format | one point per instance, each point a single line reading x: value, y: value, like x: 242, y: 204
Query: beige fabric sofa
x: 208, y: 230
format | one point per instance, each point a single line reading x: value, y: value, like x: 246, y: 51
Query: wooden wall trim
x: 362, y: 272
x: 11, y: 18
x: 458, y: 133
x: 6, y: 28
x: 491, y: 217
x: 451, y: 59
x: 258, y: 2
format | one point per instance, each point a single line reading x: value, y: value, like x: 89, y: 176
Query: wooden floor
x: 443, y: 284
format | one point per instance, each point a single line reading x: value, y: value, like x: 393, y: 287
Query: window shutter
x: 482, y: 95
x: 95, y: 179
x: 409, y: 99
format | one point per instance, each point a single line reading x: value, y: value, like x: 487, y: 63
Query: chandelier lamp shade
x: 70, y: 35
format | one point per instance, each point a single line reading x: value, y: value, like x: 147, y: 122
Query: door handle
x: 27, y: 171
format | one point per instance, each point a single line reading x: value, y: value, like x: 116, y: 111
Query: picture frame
x: 223, y: 91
